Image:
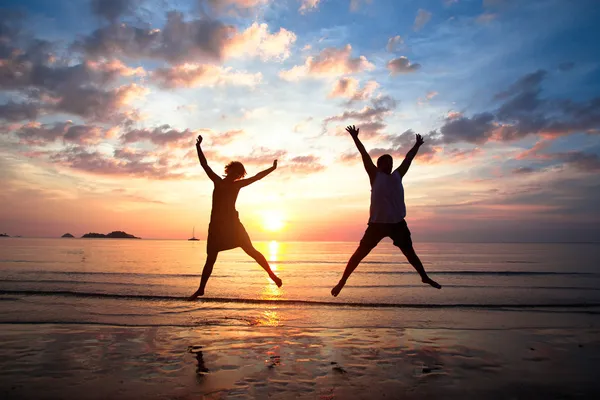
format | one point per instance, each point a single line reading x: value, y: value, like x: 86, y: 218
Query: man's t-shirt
x: 387, y: 199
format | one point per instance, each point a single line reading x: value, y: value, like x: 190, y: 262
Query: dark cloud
x: 402, y: 65
x: 49, y: 83
x: 13, y: 112
x: 68, y: 132
x: 163, y: 135
x: 585, y: 162
x: 370, y: 118
x: 523, y: 112
x: 121, y: 164
x: 473, y: 130
x: 179, y: 40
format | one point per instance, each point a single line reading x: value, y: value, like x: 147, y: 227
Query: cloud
x: 226, y: 137
x: 330, y: 62
x: 178, y: 41
x: 113, y: 9
x: 393, y: 43
x: 48, y: 83
x: 191, y: 75
x: 302, y: 125
x: 221, y: 5
x: 14, y: 112
x: 260, y: 156
x: 348, y: 87
x: 402, y: 65
x: 35, y: 133
x: 302, y: 165
x: 422, y: 18
x: 476, y: 129
x: 581, y: 161
x: 428, y: 96
x: 201, y: 40
x: 522, y: 112
x: 125, y: 162
x: 308, y: 5
x: 161, y: 136
x: 256, y: 40
x: 369, y: 117
x: 523, y: 170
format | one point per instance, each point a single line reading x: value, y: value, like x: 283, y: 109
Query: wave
x: 404, y: 286
x: 66, y: 293
x: 385, y: 272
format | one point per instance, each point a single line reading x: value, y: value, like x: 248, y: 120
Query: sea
x: 126, y: 282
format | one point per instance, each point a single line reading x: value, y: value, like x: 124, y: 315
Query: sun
x: 273, y: 220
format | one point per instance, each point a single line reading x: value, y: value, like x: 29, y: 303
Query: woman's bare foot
x: 431, y: 282
x: 336, y: 290
x: 198, y: 293
x: 277, y: 281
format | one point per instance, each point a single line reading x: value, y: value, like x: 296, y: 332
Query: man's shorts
x: 398, y: 232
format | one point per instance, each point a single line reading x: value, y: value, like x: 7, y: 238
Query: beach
x: 97, y: 319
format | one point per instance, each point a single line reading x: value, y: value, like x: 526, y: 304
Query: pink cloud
x: 190, y: 75
x: 330, y: 62
x: 348, y: 87
x: 308, y: 5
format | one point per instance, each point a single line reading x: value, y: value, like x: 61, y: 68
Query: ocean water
x: 145, y: 282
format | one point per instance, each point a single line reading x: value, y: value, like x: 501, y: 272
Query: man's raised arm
x: 259, y: 176
x: 403, y: 168
x: 366, y: 158
x: 213, y: 177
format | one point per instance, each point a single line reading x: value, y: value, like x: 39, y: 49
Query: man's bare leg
x: 211, y: 258
x: 414, y: 260
x: 357, y: 257
x: 262, y: 261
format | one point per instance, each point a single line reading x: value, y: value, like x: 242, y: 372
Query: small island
x: 4, y: 235
x: 67, y: 235
x: 112, y: 235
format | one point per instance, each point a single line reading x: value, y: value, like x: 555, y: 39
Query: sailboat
x: 193, y: 238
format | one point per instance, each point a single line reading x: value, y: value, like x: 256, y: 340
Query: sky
x: 101, y: 102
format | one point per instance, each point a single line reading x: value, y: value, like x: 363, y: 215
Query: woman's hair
x: 235, y: 169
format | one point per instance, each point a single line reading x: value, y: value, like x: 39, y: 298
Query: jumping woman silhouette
x: 225, y: 230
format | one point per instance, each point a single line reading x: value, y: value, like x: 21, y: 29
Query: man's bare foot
x: 277, y: 281
x: 198, y: 293
x: 431, y: 282
x: 336, y: 290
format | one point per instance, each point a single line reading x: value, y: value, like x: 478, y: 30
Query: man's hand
x: 275, y: 164
x: 420, y: 140
x: 351, y: 129
x: 198, y: 140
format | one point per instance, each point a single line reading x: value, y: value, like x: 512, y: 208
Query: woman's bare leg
x: 262, y: 261
x: 211, y: 257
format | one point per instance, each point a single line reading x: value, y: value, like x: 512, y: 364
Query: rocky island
x: 67, y: 235
x: 112, y: 235
x: 4, y: 235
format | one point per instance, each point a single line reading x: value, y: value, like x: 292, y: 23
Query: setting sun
x: 273, y: 221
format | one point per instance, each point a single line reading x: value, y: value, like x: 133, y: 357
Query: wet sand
x: 47, y: 361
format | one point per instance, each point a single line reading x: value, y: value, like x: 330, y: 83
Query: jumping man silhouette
x: 387, y: 210
x: 225, y: 230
